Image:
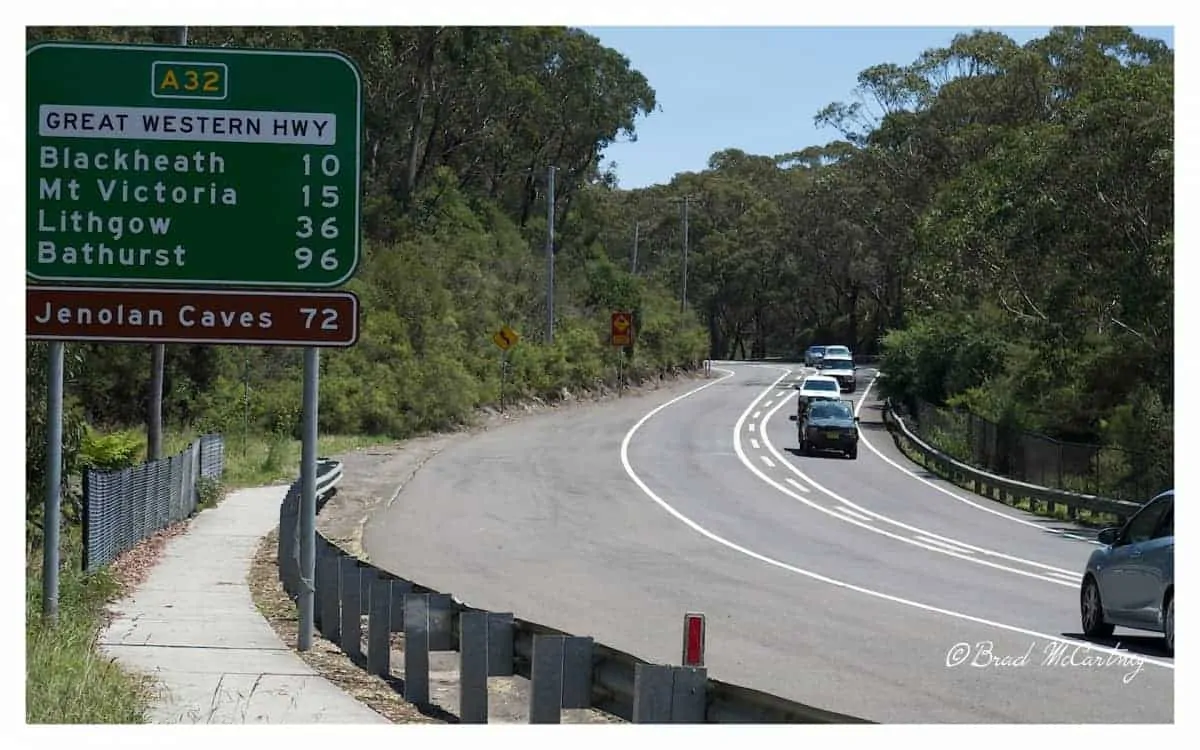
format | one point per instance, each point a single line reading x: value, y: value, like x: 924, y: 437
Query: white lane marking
x: 766, y: 440
x: 757, y: 414
x: 754, y: 443
x: 751, y: 427
x: 853, y: 514
x: 822, y: 578
x: 789, y: 480
x: 767, y: 404
x: 995, y: 512
x: 780, y: 393
x: 1073, y: 577
x: 770, y: 464
x: 953, y: 547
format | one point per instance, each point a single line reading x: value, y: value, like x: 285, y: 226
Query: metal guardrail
x: 1001, y: 488
x: 565, y: 671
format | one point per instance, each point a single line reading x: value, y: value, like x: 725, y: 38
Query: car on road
x: 813, y: 355
x: 1130, y: 581
x: 840, y: 369
x: 829, y: 426
x: 816, y: 388
x: 838, y: 351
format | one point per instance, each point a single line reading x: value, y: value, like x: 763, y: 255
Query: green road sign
x: 192, y: 166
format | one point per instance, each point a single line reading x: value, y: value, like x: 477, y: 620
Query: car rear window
x: 820, y: 385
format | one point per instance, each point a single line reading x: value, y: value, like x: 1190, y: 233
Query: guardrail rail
x: 1003, y: 489
x: 565, y: 671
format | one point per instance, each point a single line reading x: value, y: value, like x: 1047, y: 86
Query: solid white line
x: 766, y: 440
x: 789, y: 480
x: 770, y: 464
x: 757, y: 414
x: 853, y: 514
x: 817, y: 576
x: 951, y: 547
x: 754, y: 443
x: 863, y: 438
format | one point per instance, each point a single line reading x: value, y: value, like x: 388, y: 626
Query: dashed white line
x: 757, y: 414
x: 789, y: 480
x: 674, y: 513
x: 853, y: 514
x: 750, y: 427
x: 767, y: 404
x: 754, y: 443
x: 947, y: 545
x: 1040, y: 568
x: 770, y: 464
x: 780, y: 393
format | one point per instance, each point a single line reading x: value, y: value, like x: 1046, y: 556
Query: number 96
x: 328, y: 261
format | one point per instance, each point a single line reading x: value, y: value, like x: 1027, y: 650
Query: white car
x: 817, y: 388
x: 840, y: 369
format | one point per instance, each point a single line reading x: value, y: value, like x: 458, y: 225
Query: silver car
x: 1130, y: 581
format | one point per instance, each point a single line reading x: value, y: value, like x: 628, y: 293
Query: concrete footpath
x: 193, y: 627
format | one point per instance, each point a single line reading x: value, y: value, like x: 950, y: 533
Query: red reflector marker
x: 693, y: 639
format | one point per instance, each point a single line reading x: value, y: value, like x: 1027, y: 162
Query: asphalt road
x: 843, y: 584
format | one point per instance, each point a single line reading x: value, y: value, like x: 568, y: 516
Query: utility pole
x: 637, y: 225
x: 687, y: 199
x: 550, y: 257
x: 158, y: 355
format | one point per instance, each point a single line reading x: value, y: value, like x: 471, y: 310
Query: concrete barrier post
x: 577, y: 672
x: 441, y: 623
x: 416, y: 648
x: 379, y: 636
x: 546, y: 680
x: 664, y: 694
x: 400, y: 589
x: 473, y: 668
x: 501, y: 637
x: 351, y: 607
x: 329, y: 604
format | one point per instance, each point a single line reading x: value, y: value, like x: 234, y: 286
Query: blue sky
x: 756, y: 89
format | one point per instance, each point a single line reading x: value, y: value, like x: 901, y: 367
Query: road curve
x: 841, y: 584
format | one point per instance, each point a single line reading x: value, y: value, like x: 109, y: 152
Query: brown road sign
x: 191, y: 316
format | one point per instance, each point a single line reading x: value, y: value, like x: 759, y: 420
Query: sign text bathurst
x: 189, y: 166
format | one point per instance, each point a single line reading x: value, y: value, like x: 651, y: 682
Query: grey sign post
x: 50, y: 515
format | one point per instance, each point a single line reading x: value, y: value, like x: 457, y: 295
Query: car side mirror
x: 855, y: 419
x: 1109, y: 536
x: 795, y: 386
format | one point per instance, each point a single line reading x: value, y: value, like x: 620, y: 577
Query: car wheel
x: 1091, y: 610
x: 852, y: 453
x: 1169, y: 625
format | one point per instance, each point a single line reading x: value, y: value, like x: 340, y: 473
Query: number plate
x: 832, y: 435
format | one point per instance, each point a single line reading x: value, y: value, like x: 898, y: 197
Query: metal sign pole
x: 503, y: 375
x: 308, y: 499
x: 50, y: 515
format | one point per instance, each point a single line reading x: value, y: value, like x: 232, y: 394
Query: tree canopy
x: 996, y: 219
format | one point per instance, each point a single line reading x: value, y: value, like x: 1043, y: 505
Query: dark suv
x: 829, y: 426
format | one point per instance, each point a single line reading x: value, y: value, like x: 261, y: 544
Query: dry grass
x: 324, y: 657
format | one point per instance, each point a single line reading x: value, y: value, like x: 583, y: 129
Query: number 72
x: 329, y: 317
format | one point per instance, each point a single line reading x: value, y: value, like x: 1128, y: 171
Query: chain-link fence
x: 121, y: 508
x: 1030, y: 457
